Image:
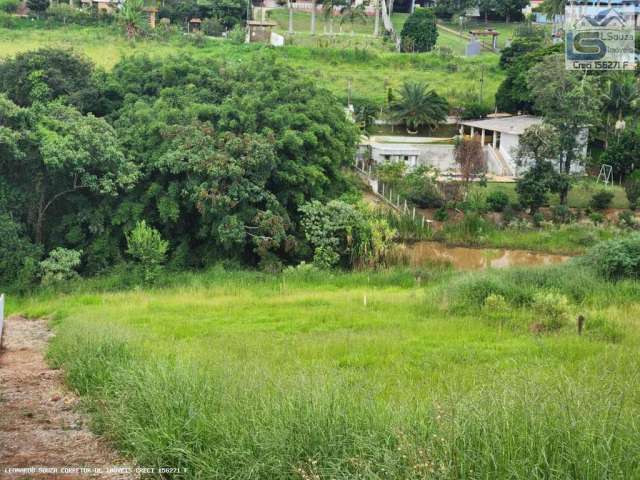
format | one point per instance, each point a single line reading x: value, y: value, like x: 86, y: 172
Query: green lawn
x: 371, y: 71
x: 397, y: 375
x: 506, y: 30
x: 579, y: 196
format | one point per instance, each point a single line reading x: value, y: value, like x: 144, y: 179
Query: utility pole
x: 481, y: 81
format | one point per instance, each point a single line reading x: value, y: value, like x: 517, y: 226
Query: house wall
x: 437, y: 156
x: 508, y: 146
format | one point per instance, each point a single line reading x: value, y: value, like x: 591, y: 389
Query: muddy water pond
x: 466, y: 258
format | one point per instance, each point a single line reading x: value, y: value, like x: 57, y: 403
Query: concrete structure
x: 108, y: 6
x: 414, y: 151
x: 259, y: 31
x: 500, y: 137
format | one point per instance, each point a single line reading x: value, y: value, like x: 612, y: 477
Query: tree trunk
x: 39, y: 216
x: 313, y: 17
x: 290, y: 17
x: 413, y: 6
x: 376, y: 20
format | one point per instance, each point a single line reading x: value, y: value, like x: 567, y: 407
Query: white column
x: 472, y: 131
x: 495, y: 138
x: 482, y: 137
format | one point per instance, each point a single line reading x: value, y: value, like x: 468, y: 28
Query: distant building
x: 109, y: 6
x: 500, y: 137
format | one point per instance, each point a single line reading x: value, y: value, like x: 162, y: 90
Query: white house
x: 500, y: 137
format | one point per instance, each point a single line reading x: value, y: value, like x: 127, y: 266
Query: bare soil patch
x: 40, y: 425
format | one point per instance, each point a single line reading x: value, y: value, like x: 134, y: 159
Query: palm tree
x: 353, y: 13
x: 554, y: 9
x: 132, y: 17
x: 621, y: 99
x: 418, y: 106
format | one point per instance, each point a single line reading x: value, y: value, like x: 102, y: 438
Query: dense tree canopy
x: 514, y: 94
x: 419, y: 32
x: 217, y: 157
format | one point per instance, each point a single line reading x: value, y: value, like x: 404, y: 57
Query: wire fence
x: 390, y: 197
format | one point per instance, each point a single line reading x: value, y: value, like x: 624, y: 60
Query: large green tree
x: 419, y: 32
x: 44, y: 75
x: 514, y: 94
x: 228, y: 152
x: 570, y: 102
x: 53, y: 151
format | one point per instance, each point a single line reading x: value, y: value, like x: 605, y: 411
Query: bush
x: 441, y: 215
x: 212, y: 27
x: 497, y: 201
x: 148, y: 248
x: 601, y: 199
x: 419, y: 33
x: 561, y: 214
x: 237, y: 35
x: 552, y: 308
x: 597, y: 218
x: 615, y: 259
x: 60, y: 265
x: 9, y: 6
x: 419, y: 188
x: 627, y: 219
x: 474, y: 109
x: 632, y: 189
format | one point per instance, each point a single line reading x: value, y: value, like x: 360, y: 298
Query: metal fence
x: 1, y: 318
x: 391, y: 198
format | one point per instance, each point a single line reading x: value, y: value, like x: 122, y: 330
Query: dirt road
x: 39, y: 422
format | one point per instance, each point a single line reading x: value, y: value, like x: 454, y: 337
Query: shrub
x: 212, y: 27
x: 237, y: 35
x: 537, y: 219
x: 474, y: 109
x: 627, y: 219
x: 552, y: 308
x: 497, y: 201
x: 561, y: 214
x: 597, y: 218
x: 495, y: 303
x: 632, y: 189
x: 615, y: 259
x: 441, y: 215
x: 148, y: 248
x: 420, y: 31
x: 601, y: 199
x: 420, y: 189
x: 60, y: 265
x: 9, y: 6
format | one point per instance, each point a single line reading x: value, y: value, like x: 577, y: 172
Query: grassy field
x: 295, y: 376
x: 370, y: 71
x: 360, y: 35
x: 579, y: 196
x: 506, y: 30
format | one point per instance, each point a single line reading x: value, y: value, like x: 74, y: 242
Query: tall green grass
x: 248, y: 375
